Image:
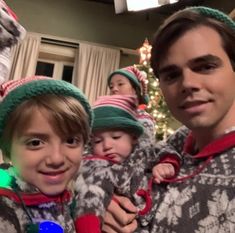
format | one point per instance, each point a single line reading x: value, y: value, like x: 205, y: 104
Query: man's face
x: 198, y: 82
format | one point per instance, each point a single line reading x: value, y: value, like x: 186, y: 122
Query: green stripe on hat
x: 214, y: 13
x: 126, y: 74
x: 108, y: 118
x: 39, y: 87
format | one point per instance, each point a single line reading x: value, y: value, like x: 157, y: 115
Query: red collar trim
x: 35, y: 198
x: 217, y: 146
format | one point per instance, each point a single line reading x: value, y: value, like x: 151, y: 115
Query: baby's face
x: 113, y: 144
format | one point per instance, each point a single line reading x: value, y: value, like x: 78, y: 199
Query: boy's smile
x: 44, y: 159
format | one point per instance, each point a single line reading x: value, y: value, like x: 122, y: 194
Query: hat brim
x: 36, y: 88
x: 119, y: 123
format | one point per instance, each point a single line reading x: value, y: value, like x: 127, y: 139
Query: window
x: 56, y: 61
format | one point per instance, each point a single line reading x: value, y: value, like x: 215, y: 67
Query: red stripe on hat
x: 7, y: 87
x: 139, y: 76
x: 124, y: 102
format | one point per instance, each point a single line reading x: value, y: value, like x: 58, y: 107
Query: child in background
x: 131, y: 81
x: 112, y: 168
x: 44, y: 124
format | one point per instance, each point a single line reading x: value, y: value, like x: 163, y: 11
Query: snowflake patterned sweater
x: 99, y: 178
x: 23, y: 205
x: 202, y: 199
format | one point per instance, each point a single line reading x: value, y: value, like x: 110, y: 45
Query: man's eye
x: 169, y: 77
x: 205, y: 68
x: 116, y: 137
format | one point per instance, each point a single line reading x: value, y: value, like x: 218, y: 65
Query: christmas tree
x: 157, y: 106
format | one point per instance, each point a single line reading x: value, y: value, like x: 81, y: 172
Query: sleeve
x: 172, y: 159
x: 8, y: 218
x: 88, y: 224
x: 94, y: 187
x: 177, y: 140
x: 148, y: 138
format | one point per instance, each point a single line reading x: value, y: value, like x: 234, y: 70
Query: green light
x: 5, y: 179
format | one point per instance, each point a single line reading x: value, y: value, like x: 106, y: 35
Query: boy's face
x: 113, y: 144
x: 120, y: 85
x: 44, y: 159
x: 198, y: 82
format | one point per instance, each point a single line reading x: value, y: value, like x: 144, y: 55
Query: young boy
x: 44, y: 124
x: 112, y: 168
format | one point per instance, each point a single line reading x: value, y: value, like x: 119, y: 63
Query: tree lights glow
x: 157, y: 106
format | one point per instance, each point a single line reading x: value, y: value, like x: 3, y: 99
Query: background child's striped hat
x: 116, y: 112
x: 137, y: 79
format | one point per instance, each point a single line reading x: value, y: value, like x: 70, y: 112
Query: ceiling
x: 166, y: 9
x: 104, y: 1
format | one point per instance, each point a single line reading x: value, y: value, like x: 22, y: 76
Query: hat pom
x: 141, y: 76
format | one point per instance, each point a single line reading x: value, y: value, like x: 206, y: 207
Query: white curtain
x: 92, y: 66
x: 24, y: 57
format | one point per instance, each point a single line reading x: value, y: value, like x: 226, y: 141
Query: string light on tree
x: 157, y: 106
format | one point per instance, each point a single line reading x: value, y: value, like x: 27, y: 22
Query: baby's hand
x: 162, y: 171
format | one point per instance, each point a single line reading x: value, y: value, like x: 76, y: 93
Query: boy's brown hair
x: 66, y: 107
x: 66, y: 115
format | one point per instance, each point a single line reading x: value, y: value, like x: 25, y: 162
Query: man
x: 193, y: 56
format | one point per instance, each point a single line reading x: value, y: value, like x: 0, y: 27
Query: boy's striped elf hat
x: 137, y: 78
x: 15, y: 92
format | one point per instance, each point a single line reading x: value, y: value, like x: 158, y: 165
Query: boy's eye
x: 73, y: 141
x: 32, y: 143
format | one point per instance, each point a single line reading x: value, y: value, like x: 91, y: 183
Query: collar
x: 217, y: 146
x: 35, y: 198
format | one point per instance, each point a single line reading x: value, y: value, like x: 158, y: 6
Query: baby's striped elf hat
x: 116, y: 112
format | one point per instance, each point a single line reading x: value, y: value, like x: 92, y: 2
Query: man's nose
x: 191, y: 81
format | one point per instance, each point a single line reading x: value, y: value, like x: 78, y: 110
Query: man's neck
x: 205, y: 136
